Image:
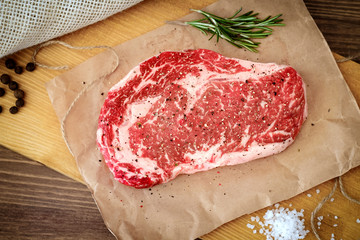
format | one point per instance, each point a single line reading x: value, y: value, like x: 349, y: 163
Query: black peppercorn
x: 30, y: 66
x: 5, y: 79
x: 20, y: 102
x: 13, y: 85
x: 18, y: 70
x: 13, y: 110
x: 18, y: 93
x: 0, y: 109
x: 10, y: 63
x: 2, y: 92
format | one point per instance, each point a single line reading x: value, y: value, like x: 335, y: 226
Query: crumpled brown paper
x: 192, y: 205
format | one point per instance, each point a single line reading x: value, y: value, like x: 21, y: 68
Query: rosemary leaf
x: 238, y: 30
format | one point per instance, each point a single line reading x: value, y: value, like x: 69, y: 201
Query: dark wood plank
x: 39, y: 203
x: 339, y: 22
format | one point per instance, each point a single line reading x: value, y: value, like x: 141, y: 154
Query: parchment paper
x: 192, y: 205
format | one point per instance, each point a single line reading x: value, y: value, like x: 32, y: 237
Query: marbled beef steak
x: 184, y: 112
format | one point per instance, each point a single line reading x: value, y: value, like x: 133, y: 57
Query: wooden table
x: 40, y: 203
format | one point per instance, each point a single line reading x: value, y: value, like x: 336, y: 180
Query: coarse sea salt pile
x: 281, y: 224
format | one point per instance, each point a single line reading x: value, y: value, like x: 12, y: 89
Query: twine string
x: 350, y: 58
x: 342, y: 189
x: 177, y: 23
x: 65, y: 67
x: 325, y: 199
x: 319, y: 206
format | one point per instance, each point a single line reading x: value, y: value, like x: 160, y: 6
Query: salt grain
x: 250, y: 226
x: 282, y: 224
x: 335, y: 225
x: 358, y: 220
x: 319, y: 218
x: 309, y: 195
x: 317, y: 191
x: 336, y: 217
x: 332, y: 199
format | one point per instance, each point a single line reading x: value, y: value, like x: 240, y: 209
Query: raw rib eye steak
x: 184, y: 112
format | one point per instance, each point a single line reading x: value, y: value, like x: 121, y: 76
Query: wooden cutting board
x: 35, y: 131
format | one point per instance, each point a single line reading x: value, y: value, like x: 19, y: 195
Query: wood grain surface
x: 39, y: 203
x: 339, y: 22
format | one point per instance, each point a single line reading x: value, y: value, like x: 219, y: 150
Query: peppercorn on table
x: 30, y: 191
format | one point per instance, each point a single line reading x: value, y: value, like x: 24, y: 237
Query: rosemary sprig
x: 239, y: 30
